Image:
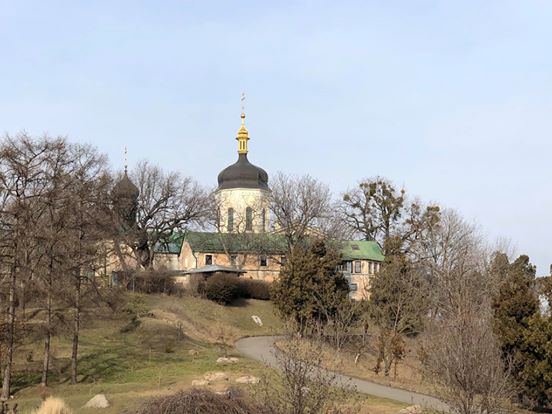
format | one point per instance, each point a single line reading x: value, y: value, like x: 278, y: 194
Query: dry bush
x: 53, y: 405
x: 222, y: 289
x: 196, y: 285
x: 254, y: 289
x: 197, y: 401
x: 152, y: 281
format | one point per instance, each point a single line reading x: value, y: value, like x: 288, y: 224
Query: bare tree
x: 305, y: 387
x: 87, y: 219
x: 22, y: 182
x: 300, y: 205
x: 168, y: 203
x: 376, y: 210
x: 460, y: 352
x: 463, y: 358
x: 398, y: 305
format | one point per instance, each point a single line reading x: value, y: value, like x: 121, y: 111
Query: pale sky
x: 452, y: 99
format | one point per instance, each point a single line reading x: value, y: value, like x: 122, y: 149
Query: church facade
x: 245, y: 242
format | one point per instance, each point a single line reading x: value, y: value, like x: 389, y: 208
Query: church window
x: 263, y: 261
x: 208, y: 259
x: 358, y: 266
x: 230, y: 219
x: 249, y: 219
x: 264, y: 219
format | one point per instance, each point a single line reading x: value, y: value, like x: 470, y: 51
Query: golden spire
x: 243, y: 134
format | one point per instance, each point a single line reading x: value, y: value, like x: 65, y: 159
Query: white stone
x: 257, y: 320
x: 413, y: 409
x: 216, y: 376
x: 224, y: 361
x: 200, y: 383
x: 97, y: 401
x: 247, y: 379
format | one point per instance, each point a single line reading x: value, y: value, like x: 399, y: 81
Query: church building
x: 246, y: 241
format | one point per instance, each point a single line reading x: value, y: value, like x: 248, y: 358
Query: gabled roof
x: 260, y: 243
x: 361, y: 250
x: 208, y: 242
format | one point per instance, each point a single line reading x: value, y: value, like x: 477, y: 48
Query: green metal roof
x: 361, y: 250
x: 219, y: 243
x: 266, y: 243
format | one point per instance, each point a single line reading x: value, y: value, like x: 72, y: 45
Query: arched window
x: 249, y: 219
x: 230, y: 219
x: 263, y: 218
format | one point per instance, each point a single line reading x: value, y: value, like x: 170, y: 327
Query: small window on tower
x: 249, y: 219
x: 230, y: 219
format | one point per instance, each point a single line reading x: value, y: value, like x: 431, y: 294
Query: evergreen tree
x: 520, y: 328
x: 310, y: 286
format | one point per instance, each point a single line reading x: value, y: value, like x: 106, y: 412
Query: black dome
x: 125, y: 189
x: 243, y: 174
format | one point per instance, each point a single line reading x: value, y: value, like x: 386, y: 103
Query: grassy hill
x: 174, y: 341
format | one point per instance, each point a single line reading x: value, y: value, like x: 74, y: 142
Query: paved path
x: 261, y: 348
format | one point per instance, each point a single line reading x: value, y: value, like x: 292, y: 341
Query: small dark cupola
x: 124, y: 196
x: 243, y: 174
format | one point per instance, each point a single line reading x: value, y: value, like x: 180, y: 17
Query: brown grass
x: 53, y: 405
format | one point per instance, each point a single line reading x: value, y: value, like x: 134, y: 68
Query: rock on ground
x: 216, y: 376
x: 97, y: 401
x: 223, y: 360
x: 200, y: 383
x: 257, y: 320
x: 193, y: 352
x: 247, y: 379
x: 413, y: 409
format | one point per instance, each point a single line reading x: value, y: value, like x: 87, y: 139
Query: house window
x: 208, y: 259
x: 353, y: 287
x: 378, y: 267
x: 358, y: 266
x: 263, y: 261
x: 283, y: 260
x: 233, y: 260
x: 230, y: 219
x: 249, y: 219
x: 347, y: 267
x: 371, y: 268
x: 263, y: 217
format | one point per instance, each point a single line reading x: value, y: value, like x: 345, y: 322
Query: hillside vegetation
x: 172, y: 342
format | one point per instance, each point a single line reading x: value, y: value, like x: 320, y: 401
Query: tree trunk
x: 76, y: 328
x: 46, y: 364
x: 6, y: 384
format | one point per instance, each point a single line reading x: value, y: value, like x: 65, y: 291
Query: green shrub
x: 222, y: 289
x: 254, y: 289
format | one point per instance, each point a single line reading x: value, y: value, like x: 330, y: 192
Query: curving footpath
x: 261, y: 348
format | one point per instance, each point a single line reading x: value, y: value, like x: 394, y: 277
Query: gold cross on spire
x: 243, y: 102
x: 243, y: 134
